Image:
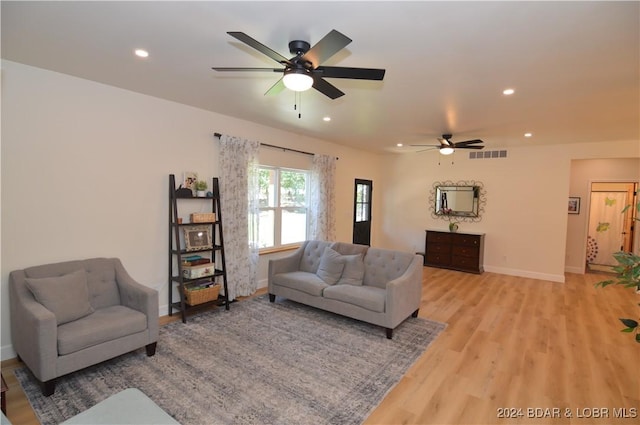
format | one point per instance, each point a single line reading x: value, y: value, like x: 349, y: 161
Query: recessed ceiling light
x: 399, y: 145
x: 528, y: 134
x: 327, y: 119
x: 508, y: 92
x: 141, y: 53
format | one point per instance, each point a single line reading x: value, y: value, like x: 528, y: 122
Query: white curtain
x: 605, y: 227
x: 322, y: 223
x: 239, y: 204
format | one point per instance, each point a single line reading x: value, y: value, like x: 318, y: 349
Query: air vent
x: 488, y: 154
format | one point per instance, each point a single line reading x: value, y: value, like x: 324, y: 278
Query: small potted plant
x: 453, y: 226
x: 201, y: 188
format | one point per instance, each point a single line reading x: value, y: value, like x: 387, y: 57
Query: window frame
x: 278, y: 209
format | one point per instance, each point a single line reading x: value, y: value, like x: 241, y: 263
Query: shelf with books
x: 196, y: 254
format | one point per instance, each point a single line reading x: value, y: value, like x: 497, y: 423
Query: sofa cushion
x: 345, y: 248
x: 66, y: 296
x: 382, y: 266
x: 311, y: 255
x: 368, y: 297
x: 331, y: 266
x: 353, y: 272
x: 105, y: 324
x: 306, y: 282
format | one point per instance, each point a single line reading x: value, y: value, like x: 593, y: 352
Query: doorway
x: 609, y: 229
x: 362, y: 212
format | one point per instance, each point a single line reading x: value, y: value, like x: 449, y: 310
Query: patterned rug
x: 258, y: 363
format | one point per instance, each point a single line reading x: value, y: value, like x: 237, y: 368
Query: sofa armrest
x: 290, y: 263
x: 404, y: 292
x: 34, y: 329
x: 138, y: 297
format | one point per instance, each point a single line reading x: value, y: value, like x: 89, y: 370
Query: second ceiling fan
x: 447, y: 147
x: 304, y: 70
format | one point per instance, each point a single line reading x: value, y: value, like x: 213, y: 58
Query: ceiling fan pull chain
x: 297, y: 103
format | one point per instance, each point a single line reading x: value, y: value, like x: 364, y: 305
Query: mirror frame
x: 482, y: 200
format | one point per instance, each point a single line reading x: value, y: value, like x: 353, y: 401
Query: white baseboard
x: 576, y: 270
x: 6, y: 352
x: 526, y: 273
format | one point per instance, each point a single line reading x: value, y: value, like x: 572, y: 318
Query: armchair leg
x: 151, y: 348
x: 48, y: 387
x: 272, y: 298
x: 389, y: 333
x: 415, y: 313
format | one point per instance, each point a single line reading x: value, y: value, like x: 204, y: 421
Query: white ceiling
x: 575, y: 66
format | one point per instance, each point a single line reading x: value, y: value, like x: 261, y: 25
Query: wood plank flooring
x: 516, y: 351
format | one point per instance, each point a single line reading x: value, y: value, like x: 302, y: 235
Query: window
x: 283, y: 206
x: 362, y: 201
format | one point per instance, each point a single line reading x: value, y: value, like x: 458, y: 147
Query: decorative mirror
x: 464, y: 200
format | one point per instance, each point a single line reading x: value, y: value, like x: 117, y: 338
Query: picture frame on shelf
x: 197, y: 238
x: 574, y: 205
x: 189, y: 180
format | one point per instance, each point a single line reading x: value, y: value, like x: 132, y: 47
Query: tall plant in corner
x: 628, y: 275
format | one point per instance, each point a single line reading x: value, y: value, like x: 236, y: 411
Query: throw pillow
x: 353, y: 273
x: 331, y: 266
x: 67, y: 297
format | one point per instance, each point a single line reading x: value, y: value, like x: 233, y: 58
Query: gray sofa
x: 67, y: 316
x: 378, y: 286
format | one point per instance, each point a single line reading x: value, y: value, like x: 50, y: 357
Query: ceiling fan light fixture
x: 447, y: 150
x: 297, y: 79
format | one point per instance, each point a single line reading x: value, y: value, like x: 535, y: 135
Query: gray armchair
x: 67, y: 316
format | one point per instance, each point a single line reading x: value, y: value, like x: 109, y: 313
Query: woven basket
x: 199, y: 296
x: 203, y: 217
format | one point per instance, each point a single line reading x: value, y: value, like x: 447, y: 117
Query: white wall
x: 525, y: 219
x: 85, y: 172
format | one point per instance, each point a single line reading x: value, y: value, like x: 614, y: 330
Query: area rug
x: 258, y: 363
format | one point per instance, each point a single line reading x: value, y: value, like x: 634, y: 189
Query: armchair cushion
x: 106, y: 324
x: 67, y: 296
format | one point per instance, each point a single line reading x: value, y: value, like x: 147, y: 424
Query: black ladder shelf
x: 178, y: 252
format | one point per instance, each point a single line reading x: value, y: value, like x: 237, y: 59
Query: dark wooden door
x: 362, y: 212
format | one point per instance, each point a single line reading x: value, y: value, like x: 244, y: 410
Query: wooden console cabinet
x: 455, y: 251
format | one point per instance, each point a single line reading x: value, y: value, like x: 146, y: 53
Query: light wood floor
x: 512, y: 344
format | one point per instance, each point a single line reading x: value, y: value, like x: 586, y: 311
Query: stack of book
x: 200, y: 285
x: 194, y: 260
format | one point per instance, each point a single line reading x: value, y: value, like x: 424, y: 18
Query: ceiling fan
x: 447, y: 147
x: 303, y: 71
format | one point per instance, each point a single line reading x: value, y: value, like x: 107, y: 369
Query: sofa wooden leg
x: 151, y: 348
x: 415, y: 313
x: 272, y: 298
x: 389, y: 333
x: 48, y: 387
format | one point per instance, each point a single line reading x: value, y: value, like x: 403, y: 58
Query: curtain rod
x: 277, y: 147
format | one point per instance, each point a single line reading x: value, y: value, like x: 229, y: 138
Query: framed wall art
x: 574, y: 205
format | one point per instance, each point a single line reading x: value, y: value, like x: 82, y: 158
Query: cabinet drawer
x: 465, y: 251
x: 439, y: 237
x: 438, y: 258
x: 467, y: 240
x: 433, y: 248
x: 466, y: 263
